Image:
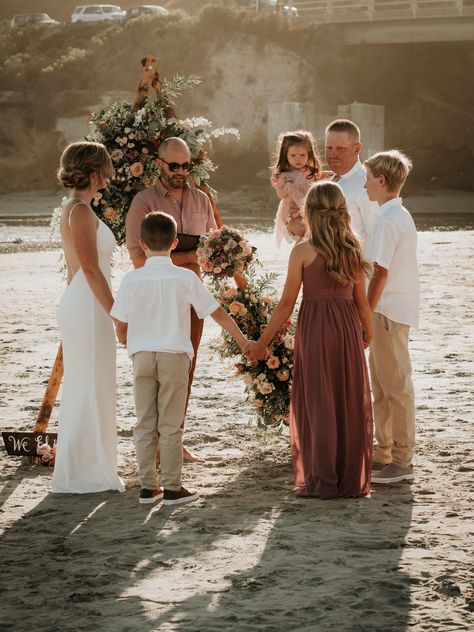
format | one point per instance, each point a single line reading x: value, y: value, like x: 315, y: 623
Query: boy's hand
x: 121, y: 332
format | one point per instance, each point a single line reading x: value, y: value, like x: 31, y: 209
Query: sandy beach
x: 248, y: 556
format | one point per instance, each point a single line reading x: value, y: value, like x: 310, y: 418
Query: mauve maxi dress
x: 331, y: 409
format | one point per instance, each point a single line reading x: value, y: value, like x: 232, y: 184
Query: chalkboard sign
x: 27, y: 443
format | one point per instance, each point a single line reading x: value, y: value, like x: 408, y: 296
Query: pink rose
x: 116, y: 155
x: 258, y: 402
x: 136, y: 169
x: 248, y: 379
x: 289, y: 341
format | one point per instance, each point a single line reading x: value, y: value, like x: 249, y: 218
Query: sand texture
x: 248, y: 556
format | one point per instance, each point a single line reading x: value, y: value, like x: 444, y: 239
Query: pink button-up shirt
x: 194, y: 218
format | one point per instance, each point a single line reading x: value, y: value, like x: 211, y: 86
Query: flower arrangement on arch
x: 132, y: 138
x: 224, y: 252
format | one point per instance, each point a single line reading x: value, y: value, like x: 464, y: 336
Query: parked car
x: 145, y: 9
x: 97, y: 13
x: 32, y: 19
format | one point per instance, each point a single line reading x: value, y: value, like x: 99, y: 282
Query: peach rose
x: 273, y: 362
x: 265, y: 388
x: 289, y: 341
x: 247, y: 379
x: 237, y: 308
x: 112, y: 214
x: 283, y: 376
x: 136, y: 169
x: 258, y: 402
x: 230, y: 293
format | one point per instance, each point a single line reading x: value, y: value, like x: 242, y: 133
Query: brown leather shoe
x: 149, y: 496
x: 173, y: 497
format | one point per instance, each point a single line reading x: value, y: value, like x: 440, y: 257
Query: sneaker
x: 149, y: 496
x: 376, y: 466
x: 173, y: 497
x: 393, y: 474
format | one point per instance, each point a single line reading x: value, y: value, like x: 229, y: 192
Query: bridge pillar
x: 371, y: 121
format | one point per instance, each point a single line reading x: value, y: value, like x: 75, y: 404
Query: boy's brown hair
x: 158, y: 231
x: 393, y: 165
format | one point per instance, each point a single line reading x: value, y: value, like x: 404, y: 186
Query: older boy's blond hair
x: 392, y: 164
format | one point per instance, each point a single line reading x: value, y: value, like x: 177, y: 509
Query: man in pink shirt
x: 190, y: 208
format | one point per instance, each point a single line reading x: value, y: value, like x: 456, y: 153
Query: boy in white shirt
x: 152, y: 308
x: 394, y: 296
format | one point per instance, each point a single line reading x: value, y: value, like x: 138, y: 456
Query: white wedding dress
x: 86, y: 452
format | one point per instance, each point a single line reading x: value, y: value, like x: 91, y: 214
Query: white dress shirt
x: 394, y: 248
x: 363, y: 212
x: 155, y: 301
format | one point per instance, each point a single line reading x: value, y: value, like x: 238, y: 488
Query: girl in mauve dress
x: 331, y: 410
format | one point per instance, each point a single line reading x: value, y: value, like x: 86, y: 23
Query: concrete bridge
x: 392, y: 21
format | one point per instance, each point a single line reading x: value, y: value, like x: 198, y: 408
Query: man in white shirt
x: 342, y: 148
x: 394, y: 296
x: 153, y: 312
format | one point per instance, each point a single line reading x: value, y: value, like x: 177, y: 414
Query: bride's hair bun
x: 81, y: 159
x: 72, y: 179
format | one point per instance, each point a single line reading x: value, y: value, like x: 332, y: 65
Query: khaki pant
x: 160, y: 389
x: 392, y: 389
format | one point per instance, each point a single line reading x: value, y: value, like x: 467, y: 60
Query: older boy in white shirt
x: 394, y: 296
x: 153, y: 313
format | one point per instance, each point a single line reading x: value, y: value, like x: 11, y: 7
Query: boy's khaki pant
x: 393, y: 393
x: 160, y: 389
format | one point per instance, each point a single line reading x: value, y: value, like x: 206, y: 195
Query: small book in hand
x: 187, y: 242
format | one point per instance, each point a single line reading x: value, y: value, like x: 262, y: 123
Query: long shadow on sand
x: 101, y: 562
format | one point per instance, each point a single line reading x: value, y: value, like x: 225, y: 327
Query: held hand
x: 245, y: 348
x: 257, y: 351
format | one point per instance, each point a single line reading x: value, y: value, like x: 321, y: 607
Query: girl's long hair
x: 329, y: 228
x: 285, y: 141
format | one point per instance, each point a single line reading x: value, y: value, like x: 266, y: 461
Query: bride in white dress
x: 86, y: 452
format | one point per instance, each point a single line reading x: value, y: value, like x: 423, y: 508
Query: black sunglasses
x: 176, y: 166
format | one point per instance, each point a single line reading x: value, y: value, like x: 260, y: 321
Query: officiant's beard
x: 173, y: 181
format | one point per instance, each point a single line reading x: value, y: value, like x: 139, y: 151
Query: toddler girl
x: 297, y: 167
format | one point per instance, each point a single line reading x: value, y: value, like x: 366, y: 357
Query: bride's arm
x: 83, y: 227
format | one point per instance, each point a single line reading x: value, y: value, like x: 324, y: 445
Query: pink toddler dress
x: 296, y: 187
